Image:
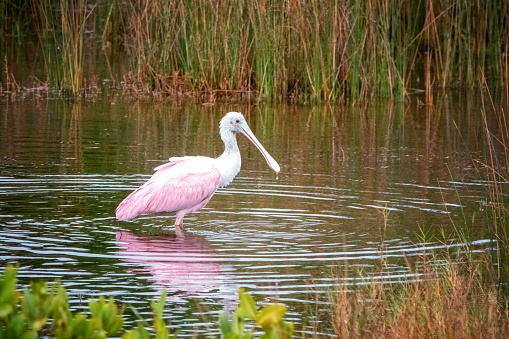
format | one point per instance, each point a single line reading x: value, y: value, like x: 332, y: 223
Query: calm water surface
x: 351, y: 177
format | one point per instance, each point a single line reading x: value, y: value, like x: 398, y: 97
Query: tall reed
x: 297, y: 50
x: 74, y: 15
x: 496, y: 173
x: 320, y: 50
x: 452, y: 301
x: 61, y: 31
x: 13, y: 17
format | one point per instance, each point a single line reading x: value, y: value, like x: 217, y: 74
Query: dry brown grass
x: 445, y: 300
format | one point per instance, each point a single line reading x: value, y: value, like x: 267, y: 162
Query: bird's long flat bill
x: 270, y: 160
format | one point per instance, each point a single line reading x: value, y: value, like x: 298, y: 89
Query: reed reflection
x: 177, y: 262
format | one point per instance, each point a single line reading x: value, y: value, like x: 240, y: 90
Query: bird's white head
x: 234, y: 122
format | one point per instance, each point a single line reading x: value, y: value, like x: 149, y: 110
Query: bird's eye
x: 237, y: 121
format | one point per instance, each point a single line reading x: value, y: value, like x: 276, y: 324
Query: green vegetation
x: 270, y: 319
x: 293, y: 50
x: 61, y: 33
x: 44, y: 311
x: 26, y: 315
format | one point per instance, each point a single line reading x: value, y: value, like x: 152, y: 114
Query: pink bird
x: 186, y: 184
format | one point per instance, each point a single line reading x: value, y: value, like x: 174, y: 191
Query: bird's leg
x: 179, y: 224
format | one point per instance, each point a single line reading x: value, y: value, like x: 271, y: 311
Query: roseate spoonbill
x: 186, y: 184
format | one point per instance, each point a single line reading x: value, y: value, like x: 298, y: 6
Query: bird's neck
x: 229, y: 162
x: 230, y: 143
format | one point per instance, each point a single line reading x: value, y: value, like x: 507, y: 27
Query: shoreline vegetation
x: 296, y: 51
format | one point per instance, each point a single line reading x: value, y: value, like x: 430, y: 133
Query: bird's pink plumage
x: 176, y: 186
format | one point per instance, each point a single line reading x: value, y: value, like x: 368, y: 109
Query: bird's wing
x: 175, y: 186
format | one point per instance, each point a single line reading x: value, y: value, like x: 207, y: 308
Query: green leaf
x: 106, y: 315
x: 157, y: 307
x: 28, y: 305
x: 8, y: 293
x: 224, y: 324
x: 137, y: 333
x: 238, y: 324
x: 17, y: 324
x: 271, y: 315
x: 5, y: 310
x: 247, y: 306
x: 29, y: 335
x: 160, y: 328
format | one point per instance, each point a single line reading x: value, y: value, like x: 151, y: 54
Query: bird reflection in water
x: 182, y: 262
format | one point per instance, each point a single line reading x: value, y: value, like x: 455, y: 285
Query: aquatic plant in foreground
x: 44, y: 310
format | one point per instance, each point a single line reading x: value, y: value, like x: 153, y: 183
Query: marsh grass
x: 444, y: 300
x: 284, y: 50
x: 73, y: 15
x: 61, y: 29
x: 495, y: 168
x: 290, y: 49
x: 447, y: 293
x: 312, y: 50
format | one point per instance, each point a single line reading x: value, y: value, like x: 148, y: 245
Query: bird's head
x: 234, y: 122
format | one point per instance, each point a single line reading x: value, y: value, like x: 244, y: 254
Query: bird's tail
x: 133, y: 205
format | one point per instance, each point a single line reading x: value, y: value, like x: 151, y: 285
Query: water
x: 352, y: 178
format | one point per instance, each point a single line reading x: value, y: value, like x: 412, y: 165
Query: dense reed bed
x: 297, y: 50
